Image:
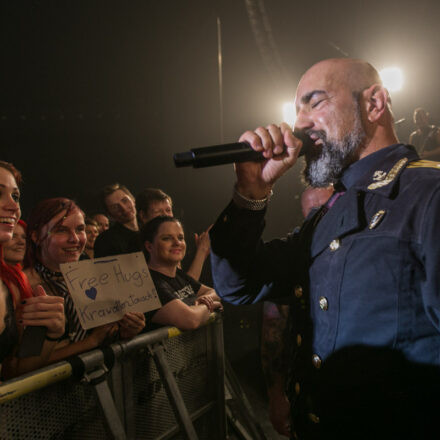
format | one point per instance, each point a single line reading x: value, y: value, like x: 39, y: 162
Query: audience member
x: 186, y: 303
x: 14, y: 249
x: 103, y: 222
x: 92, y: 231
x: 122, y: 237
x: 56, y: 235
x: 18, y: 303
x: 153, y: 202
x: 426, y: 138
x: 313, y: 198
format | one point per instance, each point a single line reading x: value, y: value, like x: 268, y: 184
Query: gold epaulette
x: 424, y: 164
x: 388, y: 178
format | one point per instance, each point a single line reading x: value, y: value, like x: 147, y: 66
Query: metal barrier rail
x: 130, y: 390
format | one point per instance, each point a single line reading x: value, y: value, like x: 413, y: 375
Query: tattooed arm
x: 274, y: 362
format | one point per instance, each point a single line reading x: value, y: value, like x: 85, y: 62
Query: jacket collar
x: 379, y: 172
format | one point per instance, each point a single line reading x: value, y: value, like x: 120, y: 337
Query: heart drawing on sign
x: 91, y: 293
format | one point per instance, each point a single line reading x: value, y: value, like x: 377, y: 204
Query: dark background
x: 99, y: 91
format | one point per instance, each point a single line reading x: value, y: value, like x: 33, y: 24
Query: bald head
x: 342, y: 105
x: 353, y: 74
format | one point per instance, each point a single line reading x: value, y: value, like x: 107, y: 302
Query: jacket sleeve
x: 245, y: 269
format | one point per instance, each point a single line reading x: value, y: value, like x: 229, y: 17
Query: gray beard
x: 326, y: 163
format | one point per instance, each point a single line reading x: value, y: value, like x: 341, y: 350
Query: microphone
x: 228, y: 153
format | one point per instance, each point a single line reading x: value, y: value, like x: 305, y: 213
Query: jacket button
x: 298, y: 340
x: 335, y: 245
x: 323, y: 303
x: 298, y: 291
x: 316, y: 360
x: 297, y: 388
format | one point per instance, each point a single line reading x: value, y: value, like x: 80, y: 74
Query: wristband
x: 52, y: 339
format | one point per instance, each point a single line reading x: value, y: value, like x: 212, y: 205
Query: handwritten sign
x: 104, y: 289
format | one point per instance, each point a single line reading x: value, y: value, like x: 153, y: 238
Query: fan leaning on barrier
x: 186, y: 303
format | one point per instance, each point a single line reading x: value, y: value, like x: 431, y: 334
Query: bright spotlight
x: 289, y: 113
x: 392, y: 78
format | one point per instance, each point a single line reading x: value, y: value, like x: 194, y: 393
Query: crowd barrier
x: 164, y: 384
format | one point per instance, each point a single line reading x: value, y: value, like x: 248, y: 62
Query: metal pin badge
x: 376, y: 219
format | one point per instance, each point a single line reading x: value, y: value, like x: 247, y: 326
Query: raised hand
x: 202, y: 241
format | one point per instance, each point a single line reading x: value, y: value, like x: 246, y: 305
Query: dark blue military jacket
x: 365, y: 272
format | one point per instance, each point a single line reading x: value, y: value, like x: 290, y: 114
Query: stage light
x: 392, y: 78
x: 289, y: 113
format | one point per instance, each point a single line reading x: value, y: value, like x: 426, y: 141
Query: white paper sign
x: 104, y: 289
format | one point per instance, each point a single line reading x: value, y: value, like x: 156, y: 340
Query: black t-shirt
x: 117, y: 240
x: 182, y: 287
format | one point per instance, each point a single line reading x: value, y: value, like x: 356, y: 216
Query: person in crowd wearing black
x: 363, y: 269
x: 92, y: 232
x: 14, y: 249
x: 56, y: 234
x: 153, y: 202
x: 123, y: 236
x: 426, y: 138
x: 20, y: 306
x: 102, y: 220
x: 313, y: 198
x: 186, y: 303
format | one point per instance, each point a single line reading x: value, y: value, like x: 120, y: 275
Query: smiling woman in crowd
x: 56, y: 234
x: 186, y: 303
x: 14, y: 249
x: 20, y: 306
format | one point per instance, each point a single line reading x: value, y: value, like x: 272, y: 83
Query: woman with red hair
x: 21, y: 307
x: 55, y: 235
